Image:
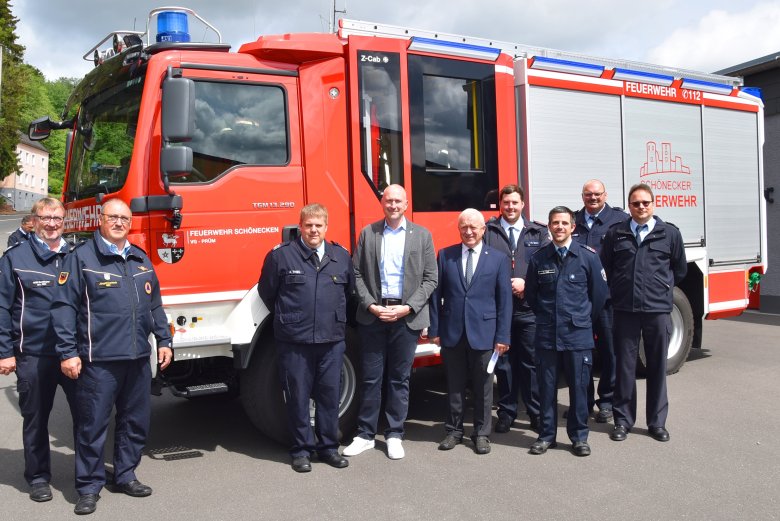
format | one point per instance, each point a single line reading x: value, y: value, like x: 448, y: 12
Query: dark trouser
x: 605, y: 348
x: 393, y: 345
x: 312, y: 371
x: 516, y: 370
x: 462, y: 363
x: 577, y: 367
x: 37, y: 381
x: 100, y: 387
x: 655, y: 330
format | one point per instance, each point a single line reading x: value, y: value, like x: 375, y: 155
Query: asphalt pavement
x: 206, y: 462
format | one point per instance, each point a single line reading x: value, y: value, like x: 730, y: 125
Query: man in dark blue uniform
x: 306, y: 283
x: 566, y: 287
x: 109, y: 290
x: 28, y: 280
x: 516, y: 370
x: 591, y: 225
x: 22, y: 233
x: 644, y: 258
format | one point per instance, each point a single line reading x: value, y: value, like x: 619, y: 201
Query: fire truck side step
x: 192, y: 391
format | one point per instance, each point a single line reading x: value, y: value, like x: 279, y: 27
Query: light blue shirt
x: 650, y: 225
x: 320, y: 249
x: 115, y: 250
x: 62, y: 245
x: 518, y: 226
x: 391, y: 263
x: 464, y: 256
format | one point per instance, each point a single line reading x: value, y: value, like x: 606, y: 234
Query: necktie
x: 512, y: 238
x: 316, y: 258
x: 639, y: 230
x: 469, y: 267
x: 591, y: 219
x: 562, y: 252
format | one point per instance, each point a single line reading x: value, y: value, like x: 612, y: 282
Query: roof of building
x: 765, y: 63
x: 23, y: 139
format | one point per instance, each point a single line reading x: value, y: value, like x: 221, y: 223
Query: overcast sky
x: 693, y: 34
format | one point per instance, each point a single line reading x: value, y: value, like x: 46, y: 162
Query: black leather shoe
x: 335, y: 460
x: 40, y: 492
x: 449, y: 442
x: 581, y: 448
x: 540, y: 446
x: 301, y: 464
x: 619, y: 433
x: 534, y: 424
x: 482, y: 445
x: 604, y: 415
x: 504, y: 424
x: 134, y: 488
x: 659, y: 433
x: 86, y: 505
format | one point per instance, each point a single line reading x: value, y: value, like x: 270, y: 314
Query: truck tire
x: 682, y: 335
x: 263, y: 399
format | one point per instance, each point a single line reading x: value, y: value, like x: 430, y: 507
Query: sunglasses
x: 637, y: 204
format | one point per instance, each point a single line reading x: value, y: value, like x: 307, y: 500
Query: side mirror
x: 40, y: 129
x: 178, y: 110
x: 175, y: 161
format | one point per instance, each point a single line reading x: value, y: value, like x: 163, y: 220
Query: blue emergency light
x: 172, y: 26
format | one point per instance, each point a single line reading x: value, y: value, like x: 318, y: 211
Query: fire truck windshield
x: 103, y: 143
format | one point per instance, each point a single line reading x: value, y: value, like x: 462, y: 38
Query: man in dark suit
x: 395, y: 274
x: 591, y: 225
x: 23, y: 232
x: 471, y: 318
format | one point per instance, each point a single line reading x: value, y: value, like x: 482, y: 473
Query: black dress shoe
x: 482, y: 445
x: 540, y: 446
x: 40, y: 492
x: 335, y: 460
x: 659, y: 433
x: 86, y: 505
x: 449, y: 442
x: 619, y: 433
x: 504, y: 424
x: 581, y: 448
x: 134, y: 488
x: 301, y: 464
x: 604, y: 415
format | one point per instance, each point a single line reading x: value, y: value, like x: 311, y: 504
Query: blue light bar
x: 642, y: 77
x: 707, y: 86
x: 172, y: 26
x: 454, y: 48
x: 556, y: 65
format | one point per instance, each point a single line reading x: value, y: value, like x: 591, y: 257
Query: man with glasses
x: 644, y: 258
x: 109, y: 290
x: 592, y: 222
x: 28, y: 280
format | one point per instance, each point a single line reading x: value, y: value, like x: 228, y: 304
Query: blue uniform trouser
x: 577, y: 367
x: 102, y: 386
x: 655, y: 330
x: 516, y: 370
x: 391, y: 345
x: 37, y: 381
x: 461, y: 364
x: 312, y: 371
x: 606, y: 355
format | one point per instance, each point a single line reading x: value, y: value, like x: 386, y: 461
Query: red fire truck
x: 217, y: 151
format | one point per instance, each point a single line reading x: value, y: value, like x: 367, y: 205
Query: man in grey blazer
x: 395, y: 275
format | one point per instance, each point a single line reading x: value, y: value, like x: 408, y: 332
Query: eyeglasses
x: 637, y: 204
x: 592, y: 194
x: 50, y: 219
x: 112, y: 219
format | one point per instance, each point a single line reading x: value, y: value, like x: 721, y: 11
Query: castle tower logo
x: 663, y: 162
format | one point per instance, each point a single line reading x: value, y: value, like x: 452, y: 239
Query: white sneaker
x: 394, y: 448
x: 358, y: 445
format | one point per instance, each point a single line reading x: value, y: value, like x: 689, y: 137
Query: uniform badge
x: 603, y: 274
x: 170, y: 246
x: 106, y: 276
x: 63, y: 278
x: 148, y: 288
x: 143, y: 268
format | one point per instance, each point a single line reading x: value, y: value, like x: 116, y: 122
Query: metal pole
x: 1, y: 78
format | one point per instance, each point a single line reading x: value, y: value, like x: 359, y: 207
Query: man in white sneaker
x: 395, y: 274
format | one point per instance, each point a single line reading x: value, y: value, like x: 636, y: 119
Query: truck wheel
x: 263, y: 399
x: 682, y: 335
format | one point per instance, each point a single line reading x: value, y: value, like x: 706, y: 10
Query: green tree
x: 12, y: 90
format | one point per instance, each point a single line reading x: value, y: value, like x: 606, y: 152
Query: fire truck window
x: 379, y: 80
x: 236, y: 124
x: 453, y: 134
x: 103, y: 142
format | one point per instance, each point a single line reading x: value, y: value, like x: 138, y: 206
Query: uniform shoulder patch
x: 590, y: 249
x: 671, y: 224
x: 339, y: 245
x: 278, y: 246
x: 543, y: 225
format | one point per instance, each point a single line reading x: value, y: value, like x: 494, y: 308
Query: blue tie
x: 512, y: 239
x: 562, y: 252
x: 639, y: 230
x: 469, y: 267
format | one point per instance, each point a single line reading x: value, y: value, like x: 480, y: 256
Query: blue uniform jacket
x: 641, y: 278
x: 594, y: 237
x: 483, y: 310
x: 533, y: 237
x: 566, y: 296
x: 309, y: 305
x: 28, y: 282
x: 114, y: 302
